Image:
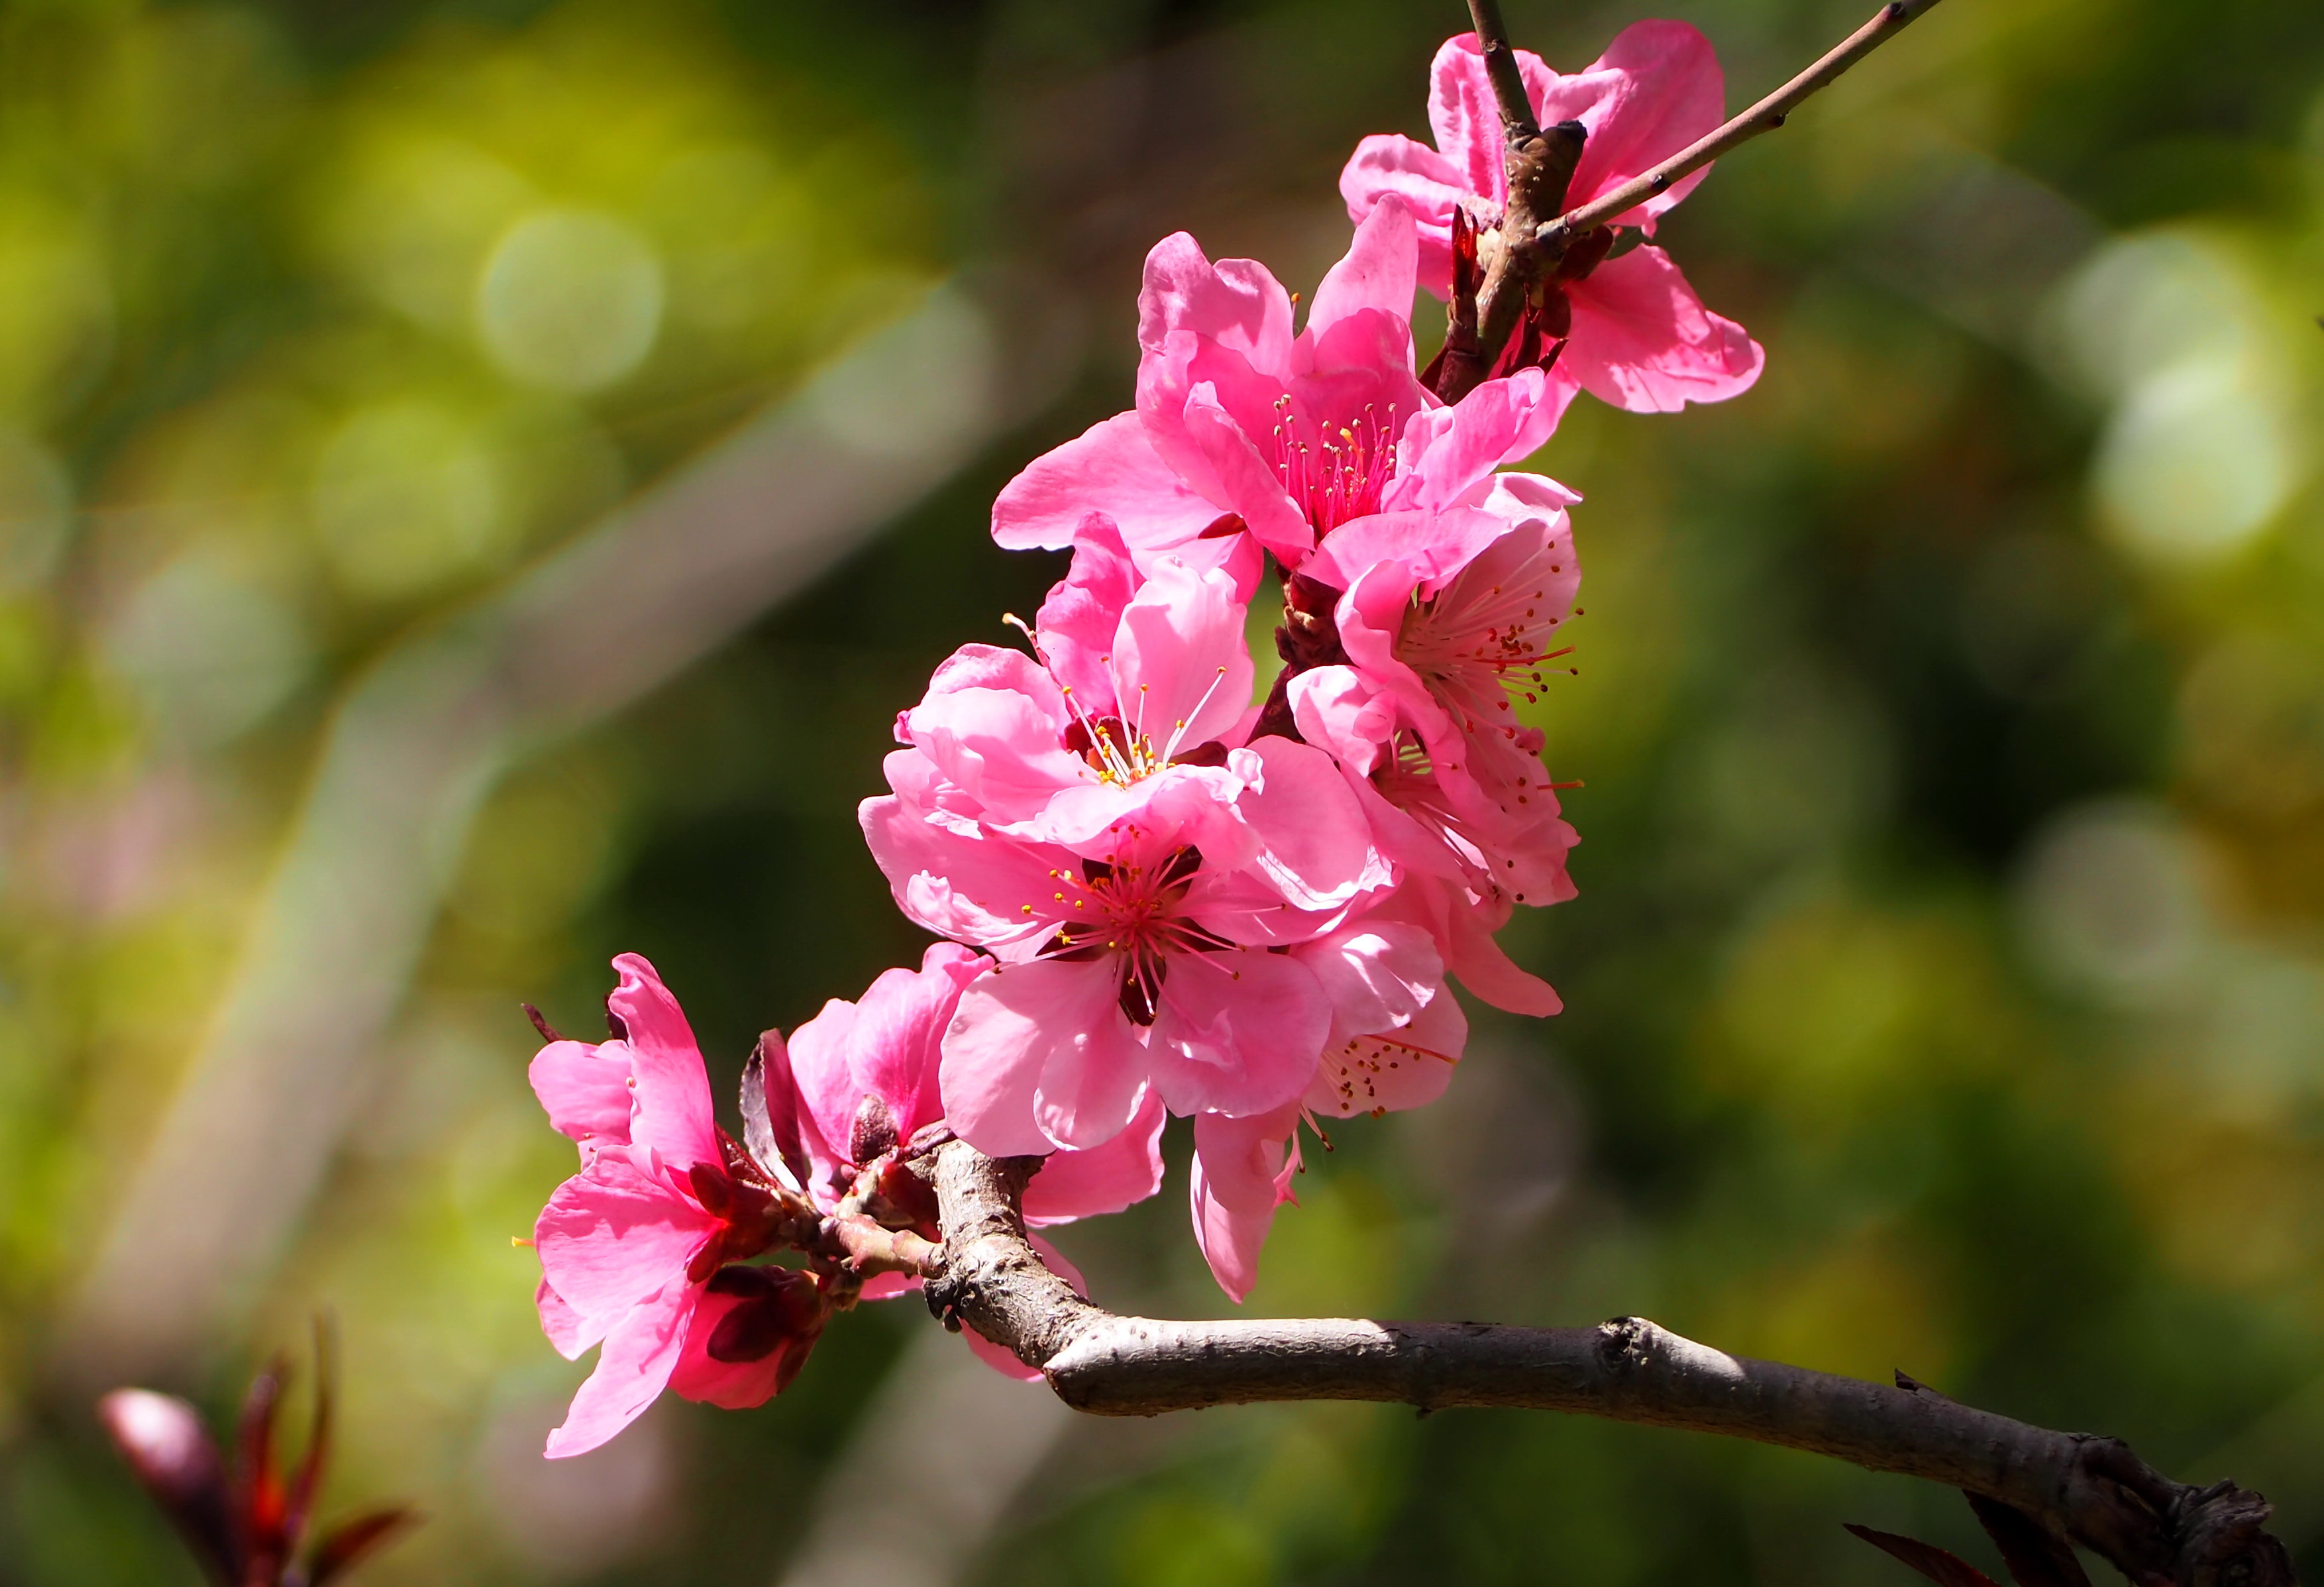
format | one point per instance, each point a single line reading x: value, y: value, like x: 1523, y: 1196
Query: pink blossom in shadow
x: 1636, y: 334
x: 1250, y: 435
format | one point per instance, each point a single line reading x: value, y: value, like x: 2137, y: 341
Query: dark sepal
x: 757, y: 1129
x: 779, y: 1101
x: 260, y: 1503
x: 1948, y: 1570
x: 174, y: 1459
x: 2036, y: 1556
x: 351, y: 1540
x: 547, y: 1032
x: 299, y: 1507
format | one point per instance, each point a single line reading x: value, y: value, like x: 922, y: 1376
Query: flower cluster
x: 1158, y: 893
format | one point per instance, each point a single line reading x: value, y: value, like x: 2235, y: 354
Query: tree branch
x: 1517, y: 122
x: 2092, y: 1489
x: 1766, y: 116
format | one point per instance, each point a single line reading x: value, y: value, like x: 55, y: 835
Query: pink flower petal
x: 1243, y: 1174
x: 613, y: 1235
x: 1376, y: 272
x: 633, y: 1367
x: 1180, y: 662
x: 586, y: 1089
x: 1388, y: 164
x: 1235, y: 303
x: 671, y: 1113
x: 1237, y: 1032
x: 1045, y: 1031
x: 1657, y: 89
x: 1078, y: 619
x: 1112, y: 465
x: 1642, y: 339
x: 1123, y: 1172
x: 819, y: 1069
x: 899, y: 1032
x: 1395, y: 1070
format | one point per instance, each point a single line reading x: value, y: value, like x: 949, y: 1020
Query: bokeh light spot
x: 570, y: 300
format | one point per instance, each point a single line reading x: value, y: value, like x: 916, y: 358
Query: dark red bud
x: 873, y: 1132
x: 175, y: 1461
x: 780, y: 1308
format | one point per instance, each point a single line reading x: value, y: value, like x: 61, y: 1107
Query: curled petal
x: 1112, y: 464
x: 1430, y: 185
x: 1376, y: 272
x: 1123, y: 1172
x: 1237, y: 1032
x: 1657, y: 89
x: 1036, y: 1044
x: 639, y: 1353
x: 1642, y: 339
x: 1243, y: 1174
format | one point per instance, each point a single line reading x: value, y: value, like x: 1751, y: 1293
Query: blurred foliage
x: 1946, y: 990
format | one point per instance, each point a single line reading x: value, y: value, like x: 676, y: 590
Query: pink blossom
x: 1397, y: 1034
x: 1140, y: 684
x: 1243, y: 425
x: 1440, y: 630
x: 1134, y: 957
x: 631, y: 1245
x: 1636, y: 334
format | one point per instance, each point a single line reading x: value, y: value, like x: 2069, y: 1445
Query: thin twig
x: 1517, y: 122
x: 2094, y: 1490
x: 1767, y: 114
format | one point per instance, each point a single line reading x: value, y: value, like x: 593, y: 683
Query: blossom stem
x: 2092, y: 1491
x: 1766, y: 116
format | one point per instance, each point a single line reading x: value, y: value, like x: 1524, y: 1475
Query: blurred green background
x: 477, y: 480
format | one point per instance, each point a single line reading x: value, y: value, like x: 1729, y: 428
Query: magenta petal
x: 1337, y: 711
x: 611, y: 1236
x: 1430, y: 546
x: 1316, y: 845
x: 1445, y: 452
x: 1014, y: 1024
x: 671, y: 1112
x: 1078, y: 619
x: 1657, y: 89
x: 1388, y: 164
x: 1642, y: 339
x: 632, y: 1370
x: 1123, y: 1172
x: 819, y: 1069
x: 1235, y: 303
x: 568, y: 1330
x: 1243, y: 1174
x: 586, y: 1089
x: 1110, y: 467
x: 898, y: 1032
x: 1408, y: 1067
x: 1180, y: 661
x: 1376, y: 272
x: 1237, y: 1032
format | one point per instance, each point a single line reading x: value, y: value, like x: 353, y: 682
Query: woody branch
x: 2093, y: 1491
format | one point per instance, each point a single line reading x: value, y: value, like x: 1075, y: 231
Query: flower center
x: 1341, y: 472
x: 1476, y: 642
x: 1130, y: 911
